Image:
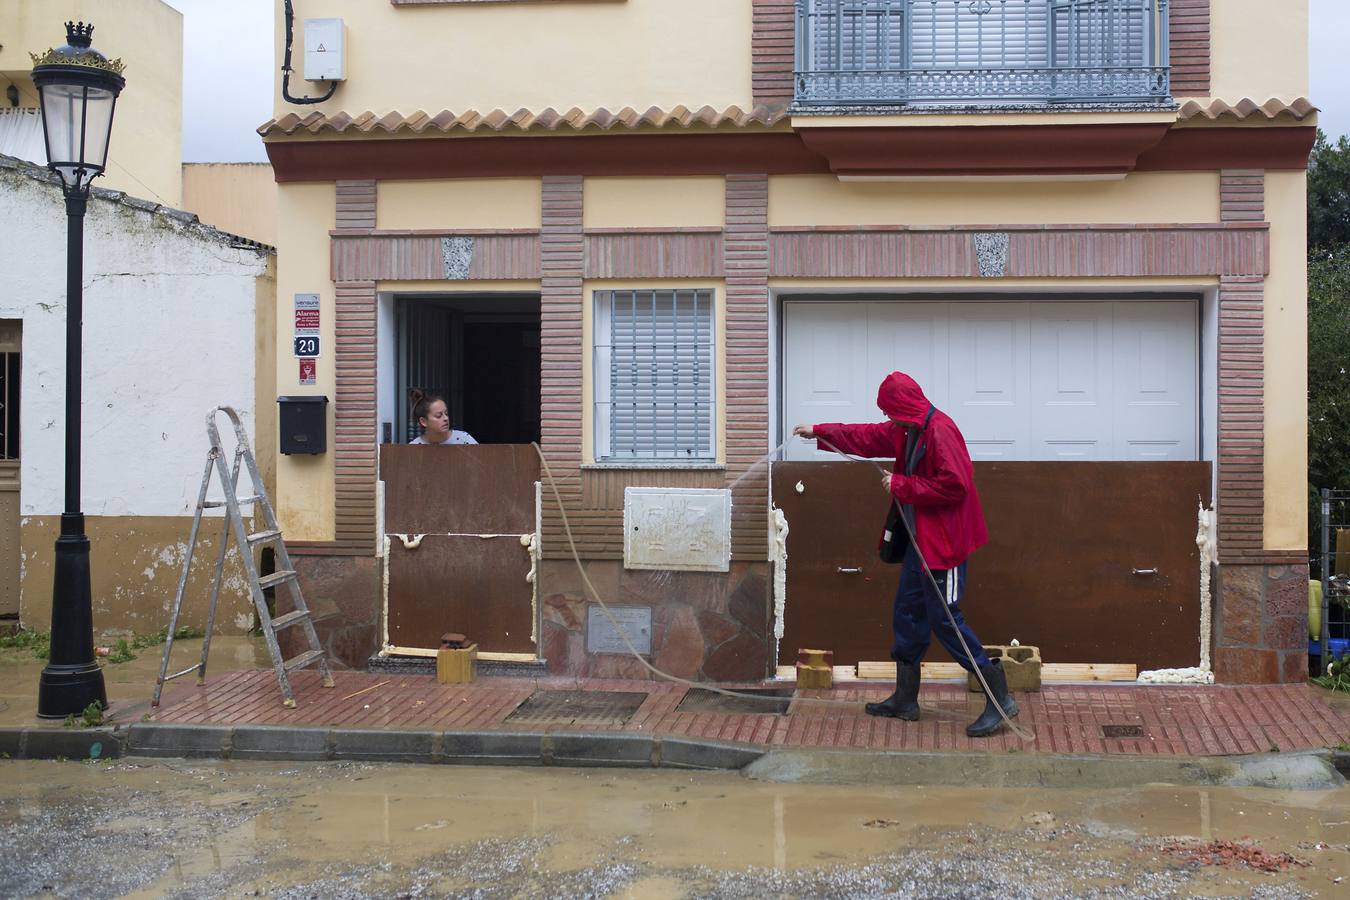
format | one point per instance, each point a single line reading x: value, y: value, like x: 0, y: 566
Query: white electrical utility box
x: 325, y: 50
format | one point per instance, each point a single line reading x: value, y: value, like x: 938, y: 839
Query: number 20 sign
x: 307, y: 346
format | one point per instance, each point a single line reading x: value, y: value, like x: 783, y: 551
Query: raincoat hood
x: 900, y: 397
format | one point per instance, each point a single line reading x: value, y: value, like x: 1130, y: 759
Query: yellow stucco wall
x: 305, y: 486
x: 654, y: 202
x: 459, y: 203
x: 146, y: 151
x: 1165, y: 197
x: 240, y: 198
x: 484, y: 56
x: 1286, y: 301
x: 1259, y: 49
x: 587, y: 361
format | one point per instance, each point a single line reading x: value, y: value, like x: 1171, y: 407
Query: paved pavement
x: 1165, y: 721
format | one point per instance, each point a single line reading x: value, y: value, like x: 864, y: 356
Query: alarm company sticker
x: 309, y: 371
x: 307, y: 314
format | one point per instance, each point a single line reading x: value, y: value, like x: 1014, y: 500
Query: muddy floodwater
x: 332, y: 830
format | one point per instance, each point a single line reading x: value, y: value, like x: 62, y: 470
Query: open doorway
x: 481, y: 353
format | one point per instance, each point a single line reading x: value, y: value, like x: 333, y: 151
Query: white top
x: 456, y: 437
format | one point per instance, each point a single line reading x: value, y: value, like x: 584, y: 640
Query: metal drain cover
x: 578, y: 707
x: 1122, y: 731
x: 765, y: 701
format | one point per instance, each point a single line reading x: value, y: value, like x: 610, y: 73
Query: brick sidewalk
x: 1173, y: 721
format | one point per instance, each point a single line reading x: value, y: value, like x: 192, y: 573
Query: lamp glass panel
x: 77, y: 121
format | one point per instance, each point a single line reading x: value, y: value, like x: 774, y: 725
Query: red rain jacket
x: 949, y: 524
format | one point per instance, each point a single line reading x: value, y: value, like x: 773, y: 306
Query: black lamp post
x: 78, y: 87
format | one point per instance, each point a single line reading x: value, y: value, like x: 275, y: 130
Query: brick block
x: 1286, y: 633
x: 1021, y: 665
x: 1294, y: 667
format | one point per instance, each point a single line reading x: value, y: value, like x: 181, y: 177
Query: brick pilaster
x: 772, y: 49
x: 562, y: 250
x: 746, y: 261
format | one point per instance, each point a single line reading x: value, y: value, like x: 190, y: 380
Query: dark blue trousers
x: 919, y: 613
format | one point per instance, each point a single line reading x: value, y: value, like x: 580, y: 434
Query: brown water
x: 334, y: 830
x: 129, y: 681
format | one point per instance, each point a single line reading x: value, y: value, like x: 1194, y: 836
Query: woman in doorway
x: 433, y: 416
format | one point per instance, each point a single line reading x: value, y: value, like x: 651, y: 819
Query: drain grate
x: 1122, y: 731
x: 578, y: 707
x: 702, y: 700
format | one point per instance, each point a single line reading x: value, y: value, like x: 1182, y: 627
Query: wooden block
x: 456, y: 666
x: 815, y: 658
x: 815, y: 678
x: 1058, y: 672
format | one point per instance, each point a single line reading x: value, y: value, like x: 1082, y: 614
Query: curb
x: 1313, y: 770
x: 61, y: 743
x: 267, y: 742
x: 1305, y: 770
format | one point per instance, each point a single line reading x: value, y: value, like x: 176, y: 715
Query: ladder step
x: 304, y: 659
x: 187, y: 671
x: 276, y: 578
x: 262, y: 537
x: 216, y: 504
x: 289, y: 618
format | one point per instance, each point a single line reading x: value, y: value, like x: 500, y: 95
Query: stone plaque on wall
x: 684, y: 529
x: 605, y: 633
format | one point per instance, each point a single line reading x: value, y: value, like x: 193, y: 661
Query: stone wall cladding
x: 1261, y: 624
x: 706, y: 626
x: 344, y: 595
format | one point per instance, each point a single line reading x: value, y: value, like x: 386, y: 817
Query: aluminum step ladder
x: 269, y: 535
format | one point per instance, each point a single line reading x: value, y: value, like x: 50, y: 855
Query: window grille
x: 972, y: 51
x: 9, y: 405
x: 654, y: 375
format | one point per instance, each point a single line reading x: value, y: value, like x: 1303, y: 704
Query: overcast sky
x: 228, y: 78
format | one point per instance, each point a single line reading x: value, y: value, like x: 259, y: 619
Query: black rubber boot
x: 990, y: 721
x: 904, y: 703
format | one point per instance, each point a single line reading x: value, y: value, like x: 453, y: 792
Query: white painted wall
x: 168, y: 334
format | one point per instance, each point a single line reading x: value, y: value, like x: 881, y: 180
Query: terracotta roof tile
x: 499, y: 120
x: 1247, y: 108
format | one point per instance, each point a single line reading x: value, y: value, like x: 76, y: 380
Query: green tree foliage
x: 1328, y: 196
x: 1328, y: 323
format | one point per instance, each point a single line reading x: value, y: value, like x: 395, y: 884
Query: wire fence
x: 1330, y: 562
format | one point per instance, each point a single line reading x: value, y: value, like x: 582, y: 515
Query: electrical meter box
x: 304, y: 425
x: 325, y: 50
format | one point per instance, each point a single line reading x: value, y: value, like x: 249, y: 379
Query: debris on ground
x: 880, y: 823
x: 1228, y: 853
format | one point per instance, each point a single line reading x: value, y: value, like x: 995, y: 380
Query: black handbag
x: 895, y: 536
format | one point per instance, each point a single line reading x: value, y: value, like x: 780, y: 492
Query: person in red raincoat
x: 933, y: 488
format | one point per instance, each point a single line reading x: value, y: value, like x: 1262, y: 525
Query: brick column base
x: 1261, y: 624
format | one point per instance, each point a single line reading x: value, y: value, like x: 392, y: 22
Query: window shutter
x: 660, y: 372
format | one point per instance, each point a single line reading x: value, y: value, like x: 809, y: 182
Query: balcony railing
x: 981, y: 52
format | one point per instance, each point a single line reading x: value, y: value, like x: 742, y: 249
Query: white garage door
x: 1095, y: 380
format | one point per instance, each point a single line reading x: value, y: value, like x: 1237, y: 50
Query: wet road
x: 184, y: 829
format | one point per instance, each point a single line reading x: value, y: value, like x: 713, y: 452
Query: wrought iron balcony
x: 1022, y: 53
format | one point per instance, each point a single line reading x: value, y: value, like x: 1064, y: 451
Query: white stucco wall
x: 168, y: 334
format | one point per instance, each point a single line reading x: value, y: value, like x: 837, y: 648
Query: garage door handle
x: 849, y: 571
x: 1144, y: 571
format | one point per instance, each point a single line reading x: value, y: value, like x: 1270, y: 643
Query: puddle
x: 132, y: 681
x: 226, y: 829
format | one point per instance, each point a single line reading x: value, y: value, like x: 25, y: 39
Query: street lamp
x: 78, y: 88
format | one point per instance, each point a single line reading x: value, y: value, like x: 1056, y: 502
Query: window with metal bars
x: 654, y: 376
x: 9, y: 411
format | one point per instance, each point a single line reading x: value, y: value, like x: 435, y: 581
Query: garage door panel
x: 1071, y: 381
x: 911, y: 338
x: 1156, y: 380
x: 825, y: 353
x: 1048, y: 380
x: 990, y: 378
